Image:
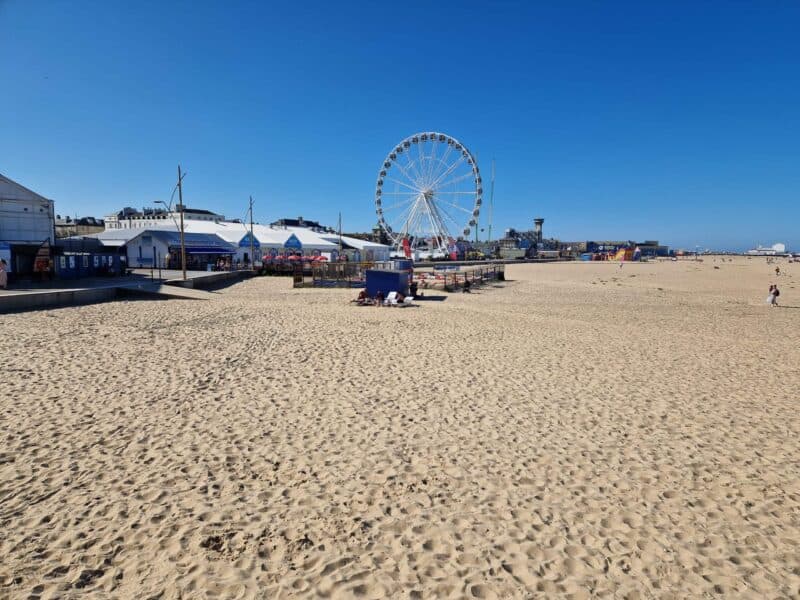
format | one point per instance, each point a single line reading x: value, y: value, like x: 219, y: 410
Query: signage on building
x: 245, y: 241
x: 293, y: 243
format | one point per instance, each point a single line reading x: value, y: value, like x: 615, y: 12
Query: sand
x: 581, y: 431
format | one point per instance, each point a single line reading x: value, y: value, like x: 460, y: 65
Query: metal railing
x: 465, y: 278
x: 335, y: 274
x: 354, y: 275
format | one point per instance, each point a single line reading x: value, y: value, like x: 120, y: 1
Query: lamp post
x: 183, y: 243
x: 169, y: 209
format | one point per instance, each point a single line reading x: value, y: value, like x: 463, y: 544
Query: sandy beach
x: 582, y: 430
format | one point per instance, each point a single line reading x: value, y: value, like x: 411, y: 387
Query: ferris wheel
x: 428, y: 192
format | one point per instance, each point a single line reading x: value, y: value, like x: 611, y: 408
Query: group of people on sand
x: 363, y: 298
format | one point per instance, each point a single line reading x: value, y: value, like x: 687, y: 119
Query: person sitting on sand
x: 378, y: 298
x: 362, y: 298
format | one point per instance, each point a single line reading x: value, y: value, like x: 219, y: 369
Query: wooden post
x: 252, y: 240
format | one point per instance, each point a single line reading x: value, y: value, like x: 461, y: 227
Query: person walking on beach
x: 772, y: 298
x: 777, y: 271
x: 3, y: 274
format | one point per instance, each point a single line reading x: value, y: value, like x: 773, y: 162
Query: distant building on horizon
x: 647, y: 247
x: 774, y: 250
x: 131, y: 218
x: 300, y: 222
x: 69, y: 227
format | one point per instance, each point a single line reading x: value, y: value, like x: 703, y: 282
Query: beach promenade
x: 580, y: 430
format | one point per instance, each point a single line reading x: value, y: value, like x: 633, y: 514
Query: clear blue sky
x: 677, y: 121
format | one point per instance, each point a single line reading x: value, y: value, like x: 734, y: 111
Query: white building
x: 161, y: 247
x: 266, y: 240
x: 27, y: 221
x: 774, y: 250
x: 367, y: 251
x: 130, y: 218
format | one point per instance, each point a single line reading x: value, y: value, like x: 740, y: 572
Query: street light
x: 179, y: 187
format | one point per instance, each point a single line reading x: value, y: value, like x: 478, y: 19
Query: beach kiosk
x: 386, y: 281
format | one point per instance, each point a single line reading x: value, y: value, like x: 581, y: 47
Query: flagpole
x: 491, y: 204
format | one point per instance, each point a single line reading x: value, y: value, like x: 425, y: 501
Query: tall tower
x: 537, y: 229
x: 378, y: 235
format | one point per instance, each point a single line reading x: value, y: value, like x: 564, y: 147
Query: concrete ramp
x: 106, y: 290
x: 164, y: 291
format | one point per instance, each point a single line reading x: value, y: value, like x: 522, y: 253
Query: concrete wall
x: 53, y: 298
